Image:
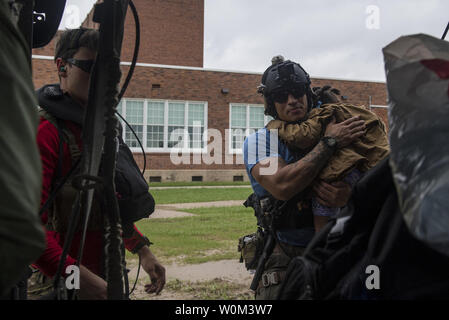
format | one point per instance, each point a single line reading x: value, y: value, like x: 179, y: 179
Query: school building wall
x: 171, y: 68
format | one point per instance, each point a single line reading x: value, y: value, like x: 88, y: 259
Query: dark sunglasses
x: 281, y: 96
x: 85, y: 65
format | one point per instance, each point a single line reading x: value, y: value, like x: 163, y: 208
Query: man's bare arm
x: 292, y: 178
x: 92, y: 287
x: 289, y: 179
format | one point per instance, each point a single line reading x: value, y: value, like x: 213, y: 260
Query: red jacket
x: 48, y: 142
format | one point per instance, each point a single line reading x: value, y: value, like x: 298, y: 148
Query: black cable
x: 445, y: 32
x: 129, y: 76
x: 138, y: 140
x: 136, y: 50
x: 124, y: 87
x: 122, y: 92
x: 137, y: 277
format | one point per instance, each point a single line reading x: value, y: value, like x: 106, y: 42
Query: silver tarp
x: 417, y: 70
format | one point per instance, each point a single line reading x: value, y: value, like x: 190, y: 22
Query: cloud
x: 330, y: 38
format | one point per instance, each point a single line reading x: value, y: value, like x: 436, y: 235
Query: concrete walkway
x: 225, y: 269
x: 163, y: 214
x: 192, y: 205
x: 170, y: 210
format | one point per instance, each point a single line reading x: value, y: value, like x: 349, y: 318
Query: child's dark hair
x: 326, y: 94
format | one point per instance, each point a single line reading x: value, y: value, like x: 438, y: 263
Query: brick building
x: 171, y: 95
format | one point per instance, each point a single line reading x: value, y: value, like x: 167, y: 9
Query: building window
x: 155, y: 124
x: 196, y: 125
x: 176, y: 121
x: 245, y: 120
x: 134, y: 116
x: 164, y: 125
x: 155, y: 178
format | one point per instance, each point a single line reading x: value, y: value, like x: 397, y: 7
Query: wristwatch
x: 143, y: 241
x: 330, y: 142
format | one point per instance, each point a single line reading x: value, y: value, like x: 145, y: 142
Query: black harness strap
x: 59, y: 180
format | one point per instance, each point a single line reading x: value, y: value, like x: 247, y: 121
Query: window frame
x: 266, y: 118
x: 165, y: 148
x: 378, y: 106
x: 125, y: 126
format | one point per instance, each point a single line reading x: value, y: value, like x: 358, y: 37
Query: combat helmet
x: 280, y: 76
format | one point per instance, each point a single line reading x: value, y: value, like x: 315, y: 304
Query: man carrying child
x: 277, y: 172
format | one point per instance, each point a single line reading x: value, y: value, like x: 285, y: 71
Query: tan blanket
x: 363, y: 154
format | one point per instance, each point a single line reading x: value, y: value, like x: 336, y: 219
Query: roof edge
x: 165, y: 66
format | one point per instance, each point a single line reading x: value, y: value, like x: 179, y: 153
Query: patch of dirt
x: 225, y: 279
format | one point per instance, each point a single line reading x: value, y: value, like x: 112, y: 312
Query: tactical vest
x: 61, y: 209
x: 297, y: 215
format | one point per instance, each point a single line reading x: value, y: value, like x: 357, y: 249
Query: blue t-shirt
x: 265, y: 144
x: 261, y: 145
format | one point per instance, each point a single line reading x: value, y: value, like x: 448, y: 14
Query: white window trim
x: 125, y: 126
x: 378, y: 106
x: 237, y: 151
x: 165, y: 148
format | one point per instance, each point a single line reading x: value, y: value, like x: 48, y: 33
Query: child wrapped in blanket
x: 347, y: 164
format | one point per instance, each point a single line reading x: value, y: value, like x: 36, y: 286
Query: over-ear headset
x: 62, y: 69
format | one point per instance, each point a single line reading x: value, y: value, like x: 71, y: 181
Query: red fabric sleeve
x: 48, y: 142
x: 135, y: 239
x: 48, y: 262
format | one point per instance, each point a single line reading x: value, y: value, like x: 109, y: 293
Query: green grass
x: 212, y: 234
x: 189, y: 184
x: 167, y: 196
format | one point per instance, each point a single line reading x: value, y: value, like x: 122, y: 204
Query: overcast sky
x: 332, y: 39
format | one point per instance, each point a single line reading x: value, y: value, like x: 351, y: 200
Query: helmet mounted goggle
x: 282, y: 79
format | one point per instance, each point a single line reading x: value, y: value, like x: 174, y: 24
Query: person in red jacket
x: 74, y: 56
